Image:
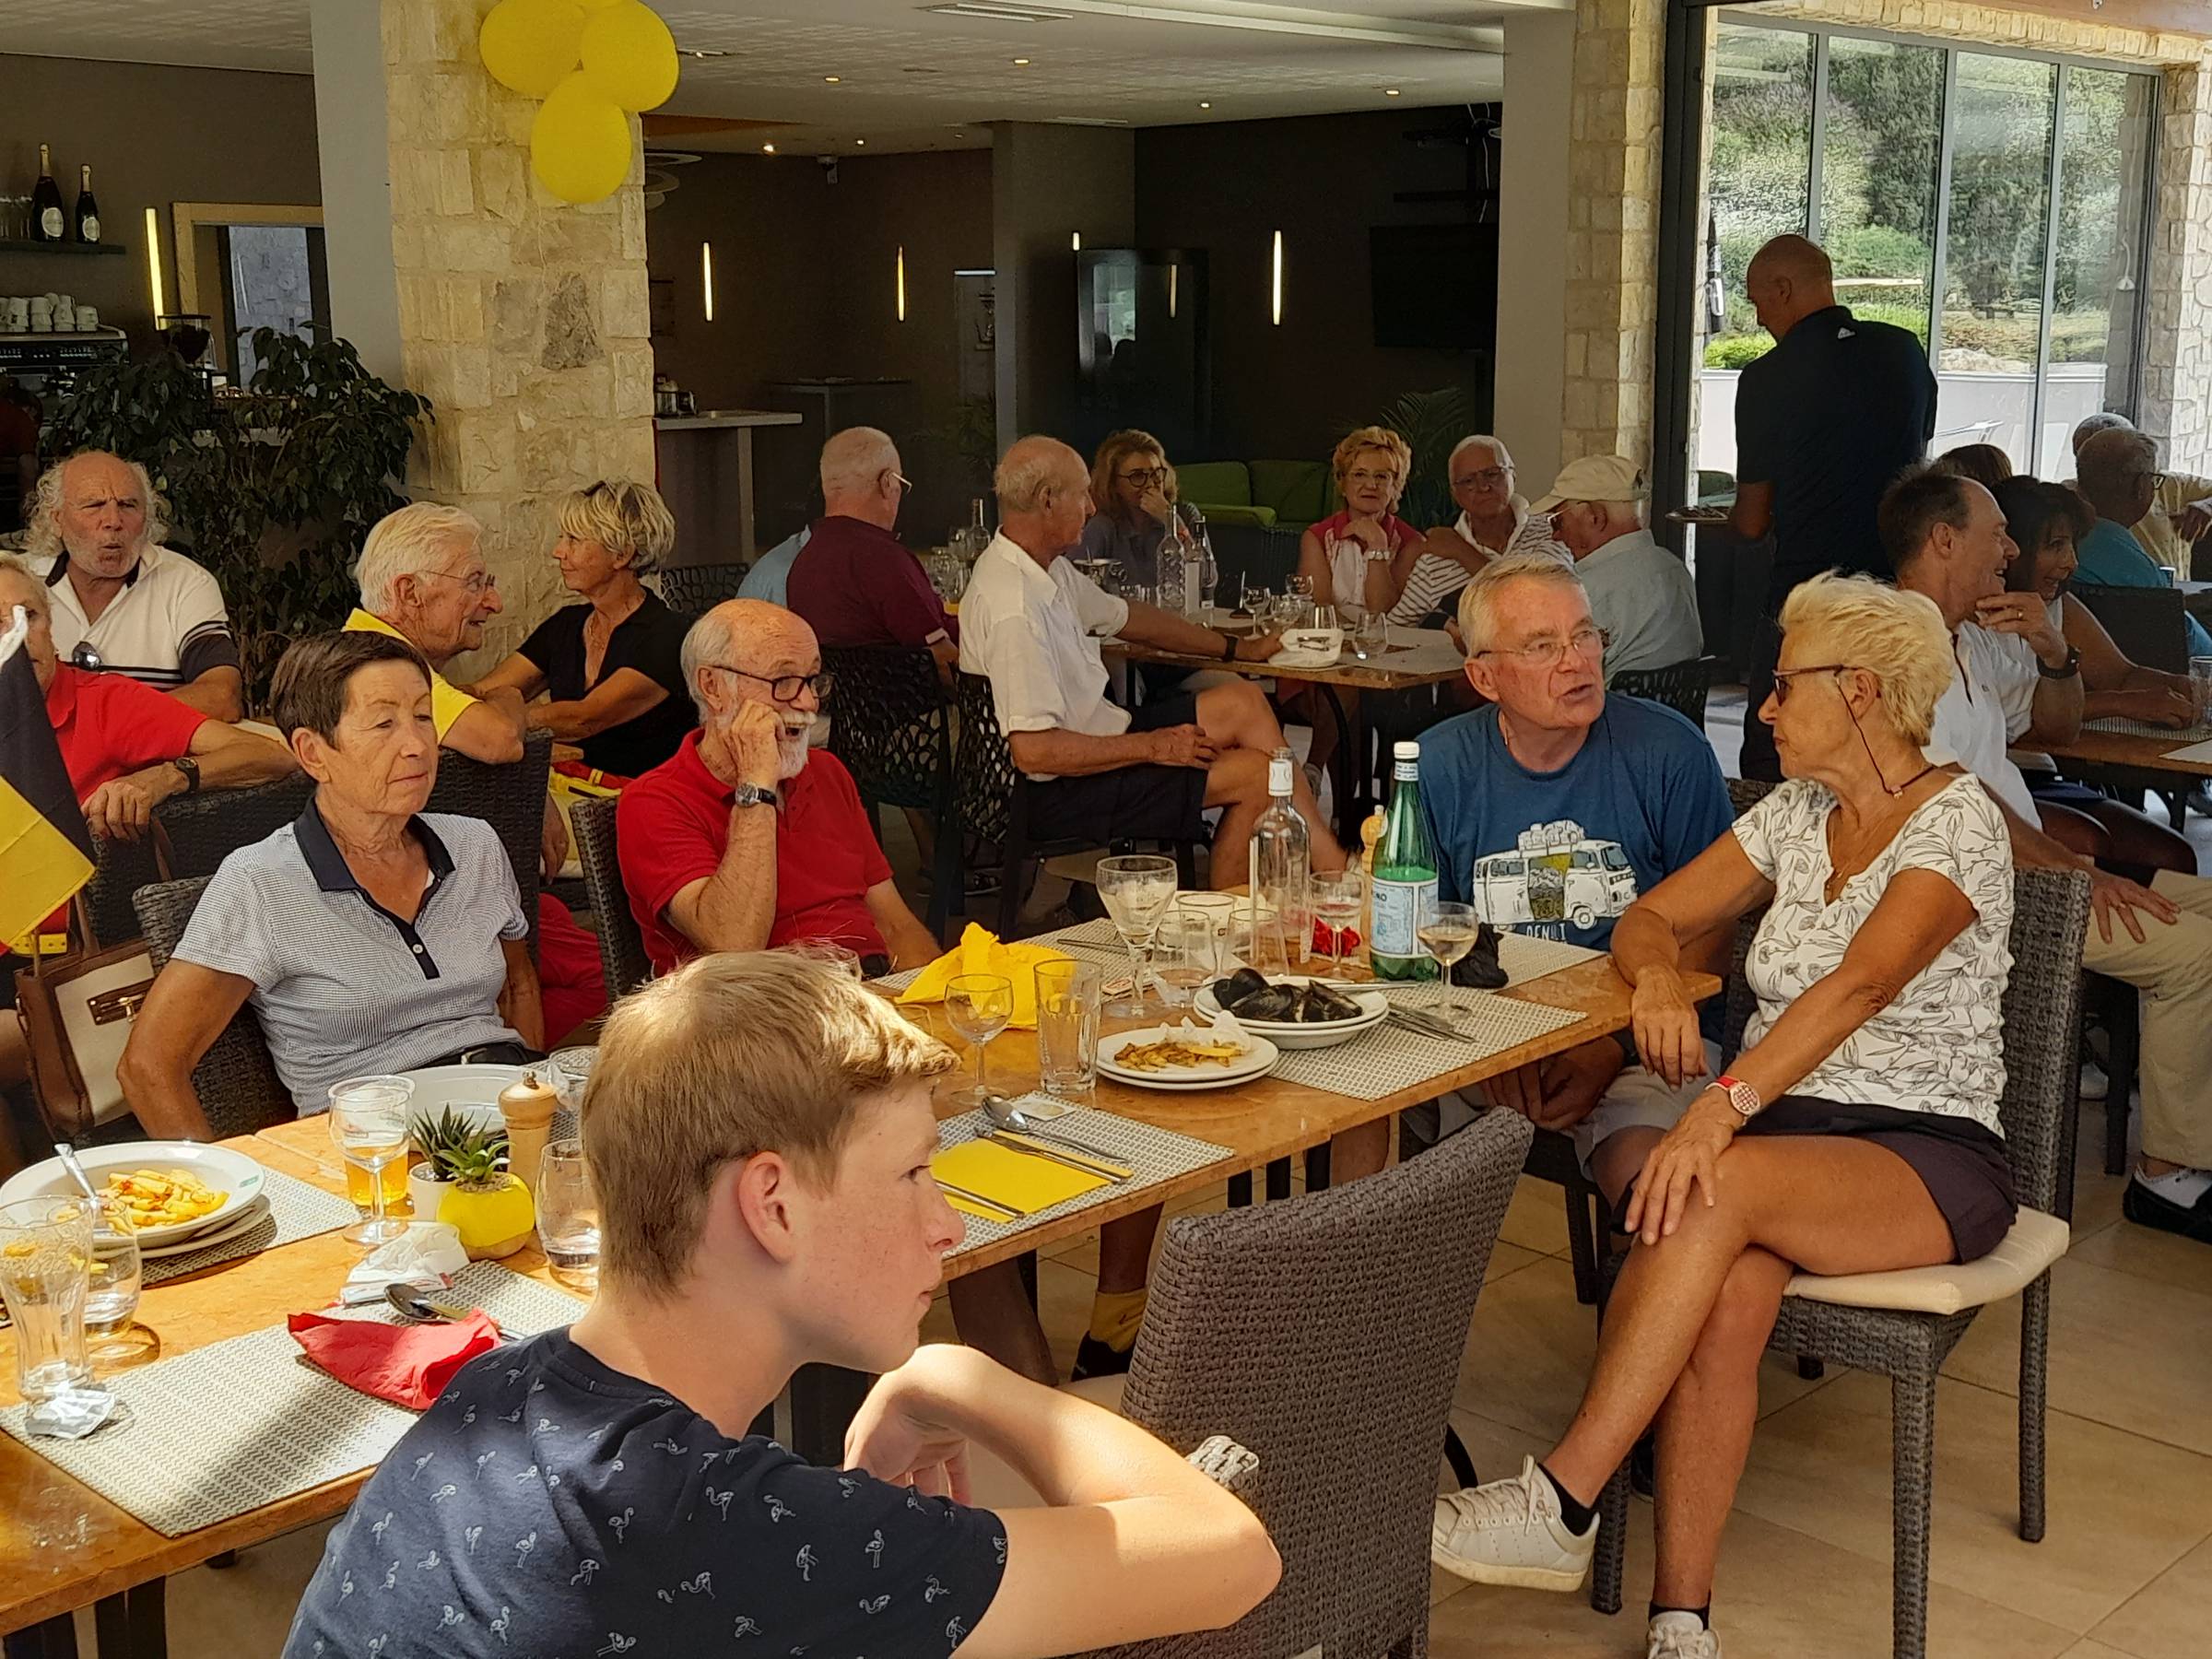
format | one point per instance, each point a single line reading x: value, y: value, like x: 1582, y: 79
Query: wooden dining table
x: 116, y: 1563
x: 2131, y: 749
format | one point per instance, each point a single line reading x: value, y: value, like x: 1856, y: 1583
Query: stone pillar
x: 2176, y: 404
x: 1534, y: 198
x: 523, y: 319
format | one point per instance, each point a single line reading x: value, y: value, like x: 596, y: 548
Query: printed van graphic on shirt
x: 1554, y: 877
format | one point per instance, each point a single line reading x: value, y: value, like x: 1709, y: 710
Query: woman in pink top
x: 1347, y: 556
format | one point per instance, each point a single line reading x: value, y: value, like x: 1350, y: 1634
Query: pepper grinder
x: 527, y: 1107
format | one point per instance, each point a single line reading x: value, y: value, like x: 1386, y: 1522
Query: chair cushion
x: 1208, y: 485
x: 1297, y: 491
x: 1221, y: 512
x: 2035, y: 1242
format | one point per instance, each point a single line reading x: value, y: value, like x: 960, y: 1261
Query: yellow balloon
x: 531, y: 44
x: 629, y: 56
x: 596, y: 6
x: 580, y: 143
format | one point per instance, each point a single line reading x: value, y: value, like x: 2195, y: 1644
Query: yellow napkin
x: 979, y: 951
x: 1014, y: 1179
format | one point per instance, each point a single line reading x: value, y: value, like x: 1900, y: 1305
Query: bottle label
x: 91, y: 227
x: 1406, y: 771
x: 49, y: 221
x: 1398, y: 906
x: 1279, y: 776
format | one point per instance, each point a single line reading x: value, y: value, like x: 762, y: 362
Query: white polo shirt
x: 1991, y: 700
x: 1034, y: 632
x: 167, y: 628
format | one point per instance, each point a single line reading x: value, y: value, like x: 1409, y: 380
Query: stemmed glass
x: 1136, y: 891
x: 1336, y: 898
x: 980, y: 1007
x: 1447, y: 932
x: 368, y: 1122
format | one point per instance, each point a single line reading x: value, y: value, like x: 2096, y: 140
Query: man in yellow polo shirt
x: 422, y: 580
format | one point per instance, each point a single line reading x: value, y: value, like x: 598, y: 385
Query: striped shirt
x: 1433, y: 581
x: 167, y: 628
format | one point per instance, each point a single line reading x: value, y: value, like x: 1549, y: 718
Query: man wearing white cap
x: 1640, y: 593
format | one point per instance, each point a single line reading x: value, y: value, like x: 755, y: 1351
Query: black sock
x: 1704, y: 1613
x: 1577, y: 1515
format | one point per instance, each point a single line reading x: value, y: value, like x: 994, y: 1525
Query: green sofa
x: 1276, y: 495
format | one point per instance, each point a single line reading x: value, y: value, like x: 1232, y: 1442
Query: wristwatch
x: 2066, y: 670
x: 753, y: 795
x: 190, y: 768
x: 1229, y: 648
x: 1741, y: 1096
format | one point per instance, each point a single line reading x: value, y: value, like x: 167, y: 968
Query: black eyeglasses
x: 1782, y: 676
x: 1145, y: 477
x: 783, y: 687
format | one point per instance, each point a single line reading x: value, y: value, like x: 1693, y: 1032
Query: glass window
x: 1879, y: 152
x: 1761, y: 174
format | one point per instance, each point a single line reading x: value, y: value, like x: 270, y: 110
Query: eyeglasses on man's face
x: 1489, y: 478
x: 476, y: 584
x: 783, y: 687
x: 1586, y: 641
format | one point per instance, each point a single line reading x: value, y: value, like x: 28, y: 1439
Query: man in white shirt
x: 1640, y: 593
x: 122, y: 602
x: 1945, y: 539
x: 1031, y: 622
x: 1493, y: 523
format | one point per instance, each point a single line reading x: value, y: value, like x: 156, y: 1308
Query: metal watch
x: 191, y: 770
x: 2066, y: 670
x: 1741, y: 1096
x: 752, y: 795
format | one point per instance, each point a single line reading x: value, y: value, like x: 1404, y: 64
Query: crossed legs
x: 1245, y: 733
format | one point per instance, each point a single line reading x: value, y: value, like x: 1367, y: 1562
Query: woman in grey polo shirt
x: 368, y: 935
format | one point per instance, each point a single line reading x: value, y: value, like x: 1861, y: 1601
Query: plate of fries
x: 173, y: 1190
x: 1185, y: 1056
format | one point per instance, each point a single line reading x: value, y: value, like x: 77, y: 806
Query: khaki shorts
x: 1638, y: 1099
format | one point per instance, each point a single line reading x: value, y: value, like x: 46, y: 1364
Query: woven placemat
x: 2136, y: 728
x: 1154, y: 1154
x: 1389, y: 1057
x: 236, y: 1425
x: 897, y: 982
x: 296, y: 1211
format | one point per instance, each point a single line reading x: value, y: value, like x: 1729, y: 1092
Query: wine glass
x: 1336, y: 898
x: 369, y: 1122
x: 1136, y: 891
x: 980, y: 1007
x: 1447, y: 932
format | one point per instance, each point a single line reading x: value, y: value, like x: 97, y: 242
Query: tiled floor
x: 2124, y: 1571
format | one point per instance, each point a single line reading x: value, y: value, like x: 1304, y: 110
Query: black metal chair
x: 2146, y: 623
x: 890, y: 722
x: 511, y: 797
x: 236, y: 1079
x: 694, y: 590
x: 1680, y: 686
x: 991, y: 800
x: 621, y: 943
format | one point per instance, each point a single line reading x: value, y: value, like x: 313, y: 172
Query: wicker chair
x: 1903, y: 1326
x: 200, y: 830
x: 236, y: 1079
x: 511, y: 797
x: 694, y: 590
x: 119, y: 869
x: 621, y: 944
x: 1325, y: 1334
x: 1680, y: 686
x: 890, y: 722
x: 991, y: 800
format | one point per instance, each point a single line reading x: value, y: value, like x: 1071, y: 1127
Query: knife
x: 999, y: 1212
x: 1119, y: 1174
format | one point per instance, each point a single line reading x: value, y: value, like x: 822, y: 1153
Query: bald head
x: 1043, y: 497
x: 1787, y: 281
x: 2118, y: 475
x: 860, y: 476
x: 740, y: 638
x: 2104, y: 421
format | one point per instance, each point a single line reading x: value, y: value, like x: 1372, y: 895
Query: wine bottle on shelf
x: 87, y: 209
x: 47, y: 224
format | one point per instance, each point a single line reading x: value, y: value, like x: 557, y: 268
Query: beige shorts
x: 1637, y: 1099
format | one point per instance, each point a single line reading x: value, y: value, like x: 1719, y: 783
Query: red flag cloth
x: 408, y: 1365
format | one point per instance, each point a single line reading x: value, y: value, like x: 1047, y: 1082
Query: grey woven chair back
x: 1746, y: 792
x: 984, y: 775
x: 694, y: 590
x: 1680, y: 686
x: 1324, y: 1334
x: 203, y: 830
x: 890, y: 722
x: 511, y: 799
x: 119, y: 869
x: 236, y: 1079
x: 621, y: 944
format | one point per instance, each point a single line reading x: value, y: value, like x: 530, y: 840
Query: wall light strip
x: 1172, y: 271
x: 153, y: 262
x: 1274, y: 284
x: 706, y: 276
x: 901, y: 279
x: 1075, y: 242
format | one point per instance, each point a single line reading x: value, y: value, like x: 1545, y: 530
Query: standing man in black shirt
x: 1824, y: 423
x: 760, y: 1132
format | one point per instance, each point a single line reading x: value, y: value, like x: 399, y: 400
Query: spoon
x: 68, y: 1154
x: 414, y: 1306
x: 1003, y: 1114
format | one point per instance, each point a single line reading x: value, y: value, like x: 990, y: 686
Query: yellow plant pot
x: 493, y: 1221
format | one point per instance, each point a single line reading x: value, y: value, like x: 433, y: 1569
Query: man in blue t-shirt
x: 1552, y: 811
x: 759, y: 1136
x: 2120, y: 477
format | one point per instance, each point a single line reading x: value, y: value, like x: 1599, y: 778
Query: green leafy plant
x: 272, y: 487
x: 969, y: 439
x: 449, y: 1137
x: 1431, y: 422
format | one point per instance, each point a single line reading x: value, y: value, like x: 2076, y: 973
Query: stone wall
x: 523, y: 319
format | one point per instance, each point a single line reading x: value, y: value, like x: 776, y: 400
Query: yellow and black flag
x: 46, y: 850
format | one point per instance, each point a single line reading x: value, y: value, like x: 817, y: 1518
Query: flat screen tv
x: 1434, y: 287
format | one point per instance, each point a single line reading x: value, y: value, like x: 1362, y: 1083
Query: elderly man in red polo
x: 747, y: 839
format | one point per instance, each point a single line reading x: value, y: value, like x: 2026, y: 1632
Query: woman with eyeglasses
x: 1856, y: 1130
x: 1134, y: 489
x: 1347, y: 557
x: 608, y: 668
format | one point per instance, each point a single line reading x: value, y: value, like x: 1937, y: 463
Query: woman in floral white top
x: 1857, y: 1131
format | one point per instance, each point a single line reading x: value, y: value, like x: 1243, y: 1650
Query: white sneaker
x: 1509, y: 1532
x: 2095, y: 1085
x: 1680, y: 1636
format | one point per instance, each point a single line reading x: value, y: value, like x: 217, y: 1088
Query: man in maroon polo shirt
x: 746, y: 839
x: 854, y: 581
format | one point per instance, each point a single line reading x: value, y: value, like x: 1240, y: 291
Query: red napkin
x: 408, y: 1365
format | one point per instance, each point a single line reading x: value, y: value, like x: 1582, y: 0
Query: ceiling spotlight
x: 1204, y: 105
x: 1390, y: 91
x: 702, y: 52
x: 1021, y: 62
x: 768, y: 150
x: 862, y: 142
x: 830, y: 80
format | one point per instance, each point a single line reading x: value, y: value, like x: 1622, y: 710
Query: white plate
x: 250, y: 1217
x: 1301, y: 1034
x: 438, y: 1087
x: 1306, y: 659
x: 1256, y: 1063
x: 233, y: 1174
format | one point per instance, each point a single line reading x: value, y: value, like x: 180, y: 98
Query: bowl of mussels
x: 1293, y: 1011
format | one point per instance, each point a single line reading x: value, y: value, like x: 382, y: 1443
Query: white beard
x: 791, y: 753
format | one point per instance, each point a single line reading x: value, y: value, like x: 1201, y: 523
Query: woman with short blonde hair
x: 1134, y: 489
x: 610, y: 668
x: 1347, y: 557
